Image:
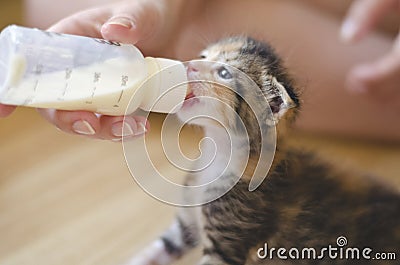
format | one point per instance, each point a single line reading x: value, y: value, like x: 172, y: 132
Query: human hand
x: 127, y: 22
x: 5, y: 110
x: 379, y: 79
x: 147, y: 24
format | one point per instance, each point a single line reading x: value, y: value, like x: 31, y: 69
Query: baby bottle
x: 51, y: 70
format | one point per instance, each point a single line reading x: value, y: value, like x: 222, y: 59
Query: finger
x: 6, y: 110
x: 74, y: 122
x: 115, y: 128
x: 136, y: 22
x: 86, y: 23
x: 380, y: 80
x: 363, y: 15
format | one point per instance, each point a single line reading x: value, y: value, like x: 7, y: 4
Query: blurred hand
x: 379, y: 79
x: 147, y: 24
x: 5, y: 110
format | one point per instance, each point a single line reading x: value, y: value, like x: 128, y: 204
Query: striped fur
x: 304, y: 202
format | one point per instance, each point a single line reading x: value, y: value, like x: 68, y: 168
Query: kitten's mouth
x: 193, y: 75
x: 190, y: 98
x: 190, y: 95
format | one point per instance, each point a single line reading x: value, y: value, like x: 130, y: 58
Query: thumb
x: 136, y: 22
x: 362, y: 16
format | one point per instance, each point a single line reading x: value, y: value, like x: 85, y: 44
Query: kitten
x: 302, y: 203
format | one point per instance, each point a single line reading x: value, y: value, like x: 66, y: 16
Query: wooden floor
x: 69, y: 200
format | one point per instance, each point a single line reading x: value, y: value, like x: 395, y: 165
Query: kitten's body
x: 303, y: 202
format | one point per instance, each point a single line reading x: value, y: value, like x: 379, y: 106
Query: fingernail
x: 121, y: 21
x: 348, y: 31
x: 121, y: 129
x: 141, y: 129
x: 83, y: 127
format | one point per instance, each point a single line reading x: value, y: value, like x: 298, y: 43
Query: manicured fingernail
x: 121, y: 129
x: 348, y: 31
x: 121, y: 21
x: 83, y: 127
x: 141, y: 129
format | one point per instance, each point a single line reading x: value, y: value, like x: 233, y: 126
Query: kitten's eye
x: 202, y: 56
x: 224, y: 73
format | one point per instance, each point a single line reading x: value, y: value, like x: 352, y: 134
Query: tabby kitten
x: 303, y: 202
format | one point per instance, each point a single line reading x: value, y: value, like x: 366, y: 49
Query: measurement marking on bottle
x: 97, y: 77
x: 68, y: 73
x: 120, y: 96
x: 94, y: 91
x: 65, y: 90
x: 124, y: 80
x: 107, y: 42
x: 35, y: 86
x: 91, y: 96
x: 51, y: 34
x: 27, y: 101
x: 38, y: 70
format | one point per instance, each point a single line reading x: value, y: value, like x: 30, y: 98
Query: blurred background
x: 69, y: 200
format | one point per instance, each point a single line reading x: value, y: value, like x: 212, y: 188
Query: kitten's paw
x: 140, y: 260
x: 155, y: 254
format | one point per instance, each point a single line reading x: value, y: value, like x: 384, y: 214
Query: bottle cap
x: 170, y: 77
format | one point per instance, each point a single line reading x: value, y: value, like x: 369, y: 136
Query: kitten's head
x: 242, y: 75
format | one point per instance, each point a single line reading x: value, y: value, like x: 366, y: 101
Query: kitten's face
x: 234, y: 69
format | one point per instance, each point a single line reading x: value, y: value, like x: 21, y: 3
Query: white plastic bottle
x: 50, y: 70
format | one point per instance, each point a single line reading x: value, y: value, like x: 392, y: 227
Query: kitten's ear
x: 279, y: 100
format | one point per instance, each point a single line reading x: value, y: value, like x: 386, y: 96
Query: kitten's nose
x: 191, y: 67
